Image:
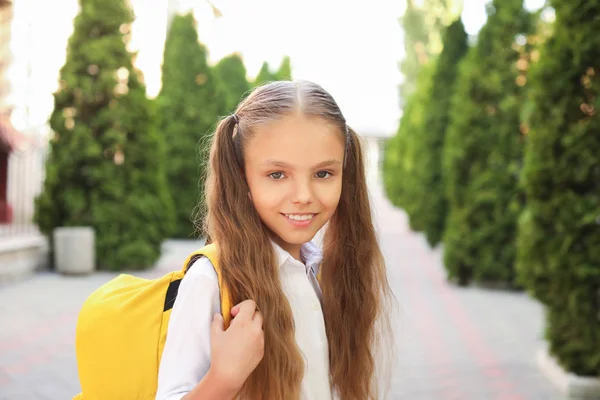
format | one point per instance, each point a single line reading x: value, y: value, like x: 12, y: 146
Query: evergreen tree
x: 264, y: 75
x: 422, y: 26
x: 431, y: 204
x: 284, y: 73
x: 483, y: 150
x: 558, y: 254
x: 404, y: 151
x: 190, y: 103
x: 106, y: 163
x: 231, y: 73
x: 392, y: 160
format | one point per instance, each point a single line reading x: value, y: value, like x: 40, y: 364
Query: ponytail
x: 354, y: 283
x: 227, y: 152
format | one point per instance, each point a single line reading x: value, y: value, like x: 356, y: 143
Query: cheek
x: 264, y: 196
x: 329, y: 196
x: 264, y: 204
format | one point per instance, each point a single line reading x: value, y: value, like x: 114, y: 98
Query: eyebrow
x: 282, y: 164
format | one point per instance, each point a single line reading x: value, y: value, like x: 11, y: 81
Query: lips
x: 300, y: 220
x: 300, y: 217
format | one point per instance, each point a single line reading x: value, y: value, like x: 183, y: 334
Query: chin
x: 297, y: 237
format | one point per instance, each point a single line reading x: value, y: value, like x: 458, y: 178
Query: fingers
x: 258, y: 318
x: 244, y: 310
x: 235, y: 310
x: 217, y: 323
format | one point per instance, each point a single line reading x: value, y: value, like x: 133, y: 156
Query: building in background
x: 22, y: 248
x: 8, y: 136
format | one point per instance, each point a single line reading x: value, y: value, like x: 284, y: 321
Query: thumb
x: 217, y: 323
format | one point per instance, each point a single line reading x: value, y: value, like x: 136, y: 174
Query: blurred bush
x: 231, y: 74
x: 284, y: 73
x: 189, y: 104
x: 423, y: 23
x: 483, y: 149
x: 106, y: 167
x: 412, y: 166
x: 403, y: 152
x: 559, y: 253
x: 431, y: 206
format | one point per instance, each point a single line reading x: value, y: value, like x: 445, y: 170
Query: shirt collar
x: 309, y: 252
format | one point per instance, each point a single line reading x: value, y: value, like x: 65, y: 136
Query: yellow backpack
x: 121, y: 332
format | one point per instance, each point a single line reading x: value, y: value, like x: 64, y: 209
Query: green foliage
x: 284, y: 73
x: 483, y: 150
x: 422, y: 26
x: 264, y: 75
x: 430, y: 206
x: 392, y: 161
x: 231, y: 74
x: 190, y: 103
x: 558, y: 256
x: 403, y: 152
x: 106, y: 163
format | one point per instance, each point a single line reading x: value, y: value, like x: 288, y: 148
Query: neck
x: 293, y: 249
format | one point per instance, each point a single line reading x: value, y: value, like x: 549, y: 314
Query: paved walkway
x: 454, y: 343
x: 457, y: 343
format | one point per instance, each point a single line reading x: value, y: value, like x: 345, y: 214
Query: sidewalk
x: 454, y: 343
x: 37, y: 351
x: 457, y: 343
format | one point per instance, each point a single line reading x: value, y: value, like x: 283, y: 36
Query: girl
x: 281, y: 167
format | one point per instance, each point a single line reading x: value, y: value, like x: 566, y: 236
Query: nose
x: 303, y: 192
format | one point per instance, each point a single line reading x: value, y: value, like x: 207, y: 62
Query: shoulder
x: 200, y: 273
x: 198, y: 288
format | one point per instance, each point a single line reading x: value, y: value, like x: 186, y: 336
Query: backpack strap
x: 211, y: 251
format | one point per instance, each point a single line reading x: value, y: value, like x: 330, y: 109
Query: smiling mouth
x: 300, y: 220
x: 300, y: 217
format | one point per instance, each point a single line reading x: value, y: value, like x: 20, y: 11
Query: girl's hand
x: 237, y: 351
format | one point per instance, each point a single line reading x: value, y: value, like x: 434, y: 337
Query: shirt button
x: 315, y: 306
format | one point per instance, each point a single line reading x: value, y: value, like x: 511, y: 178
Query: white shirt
x: 186, y: 355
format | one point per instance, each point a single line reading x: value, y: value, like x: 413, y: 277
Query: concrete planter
x: 573, y: 386
x: 74, y: 250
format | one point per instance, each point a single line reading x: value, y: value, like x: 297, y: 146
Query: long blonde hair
x: 353, y: 278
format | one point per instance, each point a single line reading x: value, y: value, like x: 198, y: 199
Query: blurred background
x: 479, y: 122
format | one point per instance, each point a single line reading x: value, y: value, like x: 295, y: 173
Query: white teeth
x: 299, y: 217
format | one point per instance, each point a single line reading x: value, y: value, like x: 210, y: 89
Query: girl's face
x: 293, y: 167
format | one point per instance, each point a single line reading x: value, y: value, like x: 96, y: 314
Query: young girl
x: 281, y: 167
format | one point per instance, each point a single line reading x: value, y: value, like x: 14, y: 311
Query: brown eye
x: 322, y: 174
